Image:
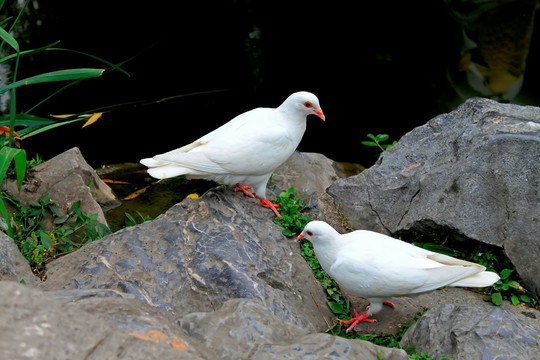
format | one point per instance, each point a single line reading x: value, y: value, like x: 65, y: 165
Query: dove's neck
x: 295, y: 121
x: 327, y: 251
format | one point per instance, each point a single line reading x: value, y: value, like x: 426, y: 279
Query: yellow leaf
x: 158, y: 336
x: 193, y: 196
x: 93, y: 119
x: 152, y: 335
x: 62, y: 116
x: 111, y: 181
x: 136, y: 193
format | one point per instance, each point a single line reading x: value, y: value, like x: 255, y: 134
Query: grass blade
x: 4, y: 35
x: 28, y: 52
x: 61, y: 75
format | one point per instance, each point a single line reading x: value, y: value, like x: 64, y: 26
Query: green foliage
x: 511, y: 290
x: 69, y: 231
x: 377, y: 140
x: 139, y: 219
x: 291, y: 219
x: 31, y: 124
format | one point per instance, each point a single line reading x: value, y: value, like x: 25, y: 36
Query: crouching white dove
x: 246, y: 150
x: 376, y: 267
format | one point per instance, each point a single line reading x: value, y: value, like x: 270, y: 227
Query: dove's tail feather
x: 481, y: 279
x: 162, y: 170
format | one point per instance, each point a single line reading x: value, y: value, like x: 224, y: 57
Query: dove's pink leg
x: 361, y: 318
x: 237, y: 187
x: 267, y: 203
x: 357, y: 319
x: 263, y: 202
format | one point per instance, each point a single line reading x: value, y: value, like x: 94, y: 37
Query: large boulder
x: 196, y: 256
x: 472, y: 173
x: 468, y: 332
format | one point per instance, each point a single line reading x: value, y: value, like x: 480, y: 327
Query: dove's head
x: 304, y: 102
x: 318, y: 233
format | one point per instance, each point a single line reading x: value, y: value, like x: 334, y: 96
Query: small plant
x: 132, y: 221
x: 377, y: 140
x: 510, y: 289
x: 40, y: 246
x: 291, y: 219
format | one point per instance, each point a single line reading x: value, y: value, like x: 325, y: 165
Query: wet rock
x: 472, y: 173
x: 467, y: 332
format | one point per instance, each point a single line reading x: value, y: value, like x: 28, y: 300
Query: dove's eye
x: 309, y: 233
x: 308, y: 104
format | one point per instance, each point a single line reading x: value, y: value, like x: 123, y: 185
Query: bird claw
x: 267, y: 203
x: 356, y: 319
x: 237, y: 187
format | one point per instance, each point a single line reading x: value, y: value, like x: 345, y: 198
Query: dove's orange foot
x: 267, y: 203
x: 356, y: 319
x: 237, y: 187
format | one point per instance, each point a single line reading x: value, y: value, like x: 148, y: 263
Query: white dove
x: 246, y: 150
x: 376, y: 267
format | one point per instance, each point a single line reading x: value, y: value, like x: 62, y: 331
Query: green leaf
x: 10, y: 40
x: 28, y: 52
x: 513, y: 284
x: 497, y: 299
x: 336, y: 308
x: 26, y: 120
x: 45, y: 240
x: 20, y: 166
x: 514, y: 299
x: 505, y: 273
x: 368, y: 143
x: 60, y: 75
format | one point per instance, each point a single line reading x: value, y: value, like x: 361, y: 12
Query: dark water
x: 377, y: 68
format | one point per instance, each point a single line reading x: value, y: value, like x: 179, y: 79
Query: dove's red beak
x: 319, y: 113
x: 301, y: 236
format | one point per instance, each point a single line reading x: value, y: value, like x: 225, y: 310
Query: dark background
x: 377, y: 67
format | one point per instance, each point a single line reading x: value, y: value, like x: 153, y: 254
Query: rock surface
x: 473, y: 173
x: 67, y: 178
x: 198, y: 255
x: 467, y: 332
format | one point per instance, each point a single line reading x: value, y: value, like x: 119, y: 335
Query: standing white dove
x: 376, y: 267
x: 246, y: 150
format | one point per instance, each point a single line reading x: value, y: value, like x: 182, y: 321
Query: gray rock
x: 13, y: 266
x: 467, y: 332
x: 472, y: 173
x: 309, y: 173
x: 244, y: 329
x: 67, y: 178
x: 36, y: 325
x: 198, y: 255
